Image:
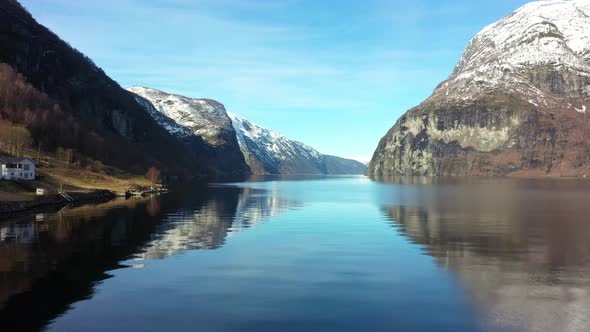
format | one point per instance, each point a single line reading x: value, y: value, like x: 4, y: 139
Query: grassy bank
x: 73, y: 177
x: 55, y: 175
x: 11, y: 191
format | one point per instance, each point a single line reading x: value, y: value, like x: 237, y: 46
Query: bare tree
x: 39, y: 153
x: 14, y: 139
x: 69, y: 156
x: 28, y: 118
x: 153, y: 174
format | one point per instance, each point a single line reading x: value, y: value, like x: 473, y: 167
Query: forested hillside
x: 67, y: 102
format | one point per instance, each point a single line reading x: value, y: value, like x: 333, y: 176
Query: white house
x: 17, y: 168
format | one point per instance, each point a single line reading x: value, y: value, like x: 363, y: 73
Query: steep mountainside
x: 73, y: 104
x: 338, y: 165
x: 516, y: 102
x: 268, y: 152
x: 202, y: 125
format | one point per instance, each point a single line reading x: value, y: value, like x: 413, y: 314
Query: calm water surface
x: 308, y: 254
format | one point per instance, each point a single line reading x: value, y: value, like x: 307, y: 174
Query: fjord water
x: 308, y: 254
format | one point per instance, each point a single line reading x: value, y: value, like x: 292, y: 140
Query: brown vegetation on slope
x: 66, y: 101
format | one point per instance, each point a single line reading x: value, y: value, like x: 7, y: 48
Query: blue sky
x: 334, y: 74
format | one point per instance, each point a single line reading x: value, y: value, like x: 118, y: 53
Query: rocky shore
x: 55, y: 201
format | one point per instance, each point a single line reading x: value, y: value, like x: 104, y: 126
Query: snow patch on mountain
x: 268, y: 145
x: 167, y: 123
x: 202, y: 117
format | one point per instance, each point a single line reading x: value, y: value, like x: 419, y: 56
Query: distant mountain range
x: 233, y: 143
x: 269, y: 152
x: 518, y: 102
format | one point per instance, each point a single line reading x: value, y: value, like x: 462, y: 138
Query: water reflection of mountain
x: 48, y: 262
x: 229, y: 210
x: 256, y: 206
x: 521, y: 248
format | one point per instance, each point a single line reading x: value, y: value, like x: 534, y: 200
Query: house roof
x: 10, y: 160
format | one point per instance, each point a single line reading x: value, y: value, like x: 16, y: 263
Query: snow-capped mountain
x: 202, y: 124
x: 516, y: 102
x: 269, y: 152
x: 202, y: 117
x: 544, y: 33
x: 235, y: 146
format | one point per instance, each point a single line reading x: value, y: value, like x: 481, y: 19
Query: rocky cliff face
x: 268, y: 152
x: 201, y: 124
x: 517, y: 103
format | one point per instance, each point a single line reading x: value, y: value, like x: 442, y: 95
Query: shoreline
x: 52, y: 202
